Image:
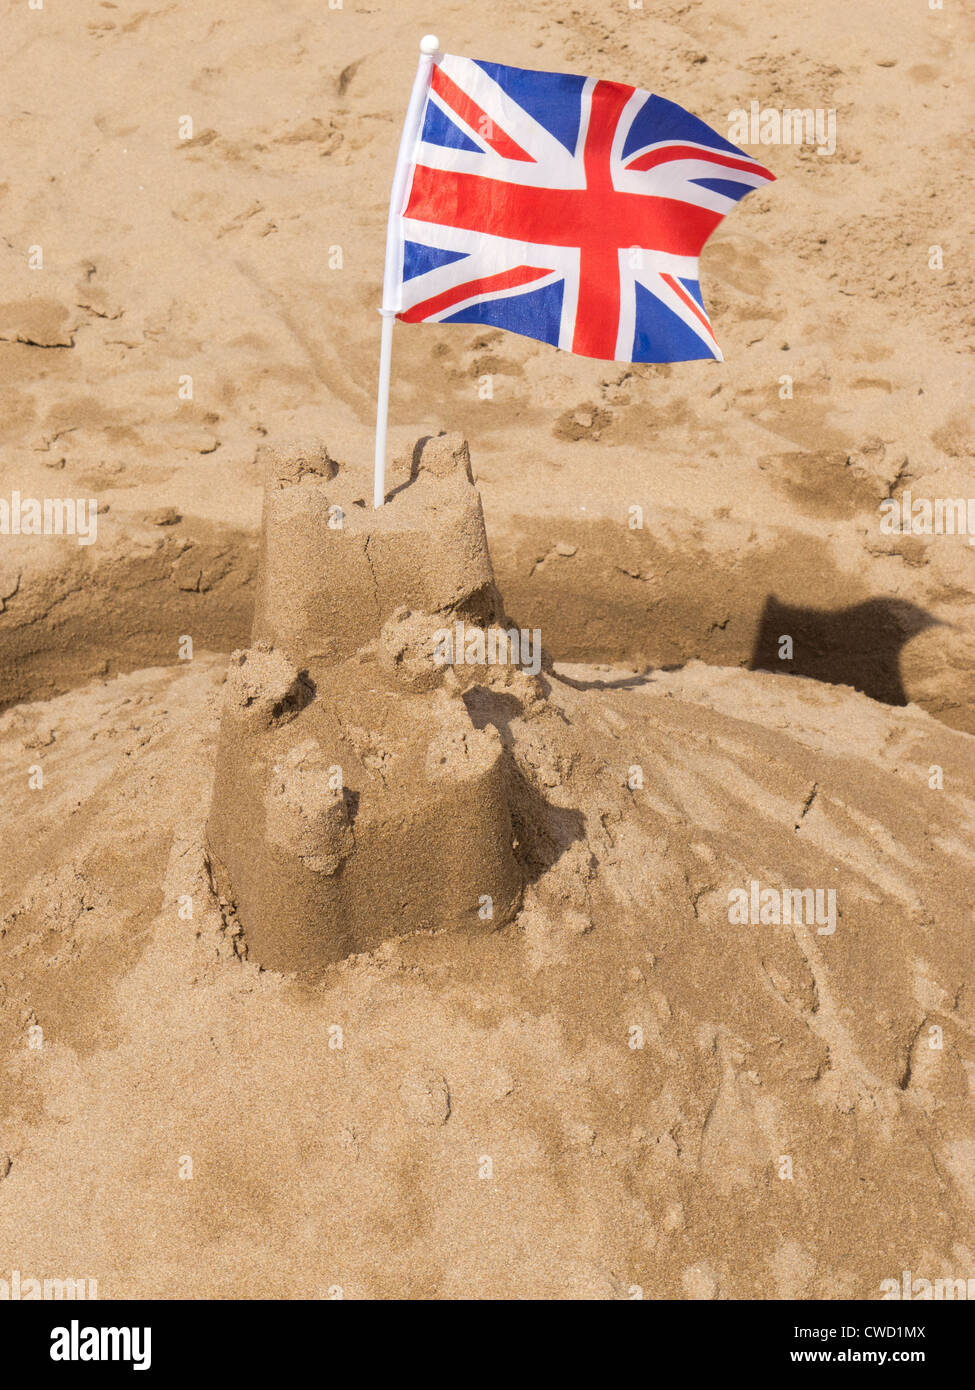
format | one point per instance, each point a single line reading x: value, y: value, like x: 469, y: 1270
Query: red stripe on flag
x: 558, y: 216
x: 598, y: 307
x: 687, y: 299
x: 504, y: 280
x: 478, y: 120
x: 670, y: 152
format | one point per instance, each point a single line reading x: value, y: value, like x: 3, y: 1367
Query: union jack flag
x: 566, y: 209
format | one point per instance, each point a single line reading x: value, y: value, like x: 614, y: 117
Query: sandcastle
x: 354, y: 798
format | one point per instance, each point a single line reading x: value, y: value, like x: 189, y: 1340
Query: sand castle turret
x: 354, y: 799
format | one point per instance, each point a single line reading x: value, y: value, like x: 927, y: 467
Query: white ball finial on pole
x: 392, y: 278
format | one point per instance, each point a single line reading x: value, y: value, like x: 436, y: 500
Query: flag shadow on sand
x: 858, y: 646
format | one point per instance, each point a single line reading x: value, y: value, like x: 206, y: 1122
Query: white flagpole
x: 392, y: 281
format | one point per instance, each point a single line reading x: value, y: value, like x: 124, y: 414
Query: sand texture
x: 258, y: 1034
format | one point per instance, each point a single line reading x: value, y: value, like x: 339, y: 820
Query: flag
x: 564, y: 208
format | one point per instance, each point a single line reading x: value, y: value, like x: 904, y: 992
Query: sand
x: 607, y: 1088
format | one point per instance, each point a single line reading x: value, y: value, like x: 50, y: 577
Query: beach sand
x: 613, y: 1087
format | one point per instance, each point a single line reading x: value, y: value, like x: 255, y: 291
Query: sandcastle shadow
x: 859, y: 646
x: 544, y: 831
